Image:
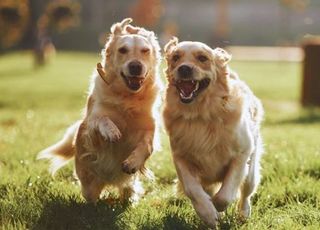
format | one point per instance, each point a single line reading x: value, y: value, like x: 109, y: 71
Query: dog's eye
x: 123, y: 50
x: 202, y: 58
x: 145, y: 50
x: 175, y: 57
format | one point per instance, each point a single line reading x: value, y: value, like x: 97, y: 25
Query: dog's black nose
x: 185, y: 71
x: 135, y: 68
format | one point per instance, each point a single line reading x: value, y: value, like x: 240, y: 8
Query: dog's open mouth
x: 189, y: 89
x: 133, y: 83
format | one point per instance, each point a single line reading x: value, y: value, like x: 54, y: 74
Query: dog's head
x: 130, y: 56
x: 194, y: 66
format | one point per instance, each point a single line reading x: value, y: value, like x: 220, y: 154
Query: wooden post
x: 311, y: 73
x: 221, y: 27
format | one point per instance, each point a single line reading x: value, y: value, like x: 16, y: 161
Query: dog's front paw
x: 221, y: 201
x: 109, y: 130
x: 209, y: 216
x: 244, y: 208
x: 212, y: 221
x: 132, y: 164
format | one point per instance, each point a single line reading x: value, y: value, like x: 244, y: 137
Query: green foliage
x: 37, y: 106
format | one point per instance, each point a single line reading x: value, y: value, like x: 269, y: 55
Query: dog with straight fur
x: 115, y: 137
x: 213, y: 122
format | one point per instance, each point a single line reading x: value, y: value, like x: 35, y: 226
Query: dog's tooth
x: 185, y: 97
x: 197, y: 85
x: 182, y: 96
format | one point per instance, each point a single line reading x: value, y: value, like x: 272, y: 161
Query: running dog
x: 213, y: 122
x: 115, y: 137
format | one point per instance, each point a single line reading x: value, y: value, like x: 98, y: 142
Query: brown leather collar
x: 102, y: 73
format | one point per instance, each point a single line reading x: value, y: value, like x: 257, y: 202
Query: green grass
x: 36, y: 106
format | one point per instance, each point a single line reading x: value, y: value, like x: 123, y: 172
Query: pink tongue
x: 135, y: 80
x: 186, y: 87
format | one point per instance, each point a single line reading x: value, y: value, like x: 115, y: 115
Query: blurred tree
x: 14, y: 20
x: 298, y: 5
x: 62, y: 14
x: 59, y: 15
x: 146, y: 12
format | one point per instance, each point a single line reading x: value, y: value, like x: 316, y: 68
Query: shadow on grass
x: 178, y: 223
x: 5, y: 105
x: 62, y: 213
x: 309, y: 116
x: 313, y: 173
x: 174, y: 220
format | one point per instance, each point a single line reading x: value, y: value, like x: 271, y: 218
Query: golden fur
x: 215, y: 138
x: 115, y: 137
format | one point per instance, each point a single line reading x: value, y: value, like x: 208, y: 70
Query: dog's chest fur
x: 206, y: 147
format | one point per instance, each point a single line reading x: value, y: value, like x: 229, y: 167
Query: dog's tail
x: 61, y: 152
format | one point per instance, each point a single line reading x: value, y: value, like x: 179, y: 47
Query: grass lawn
x: 36, y: 106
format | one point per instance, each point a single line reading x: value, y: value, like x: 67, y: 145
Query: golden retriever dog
x: 213, y: 122
x: 115, y: 137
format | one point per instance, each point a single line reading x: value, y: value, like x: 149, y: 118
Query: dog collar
x: 102, y: 73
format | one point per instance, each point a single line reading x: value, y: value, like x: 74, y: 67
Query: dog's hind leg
x: 91, y: 191
x: 251, y: 181
x: 91, y: 185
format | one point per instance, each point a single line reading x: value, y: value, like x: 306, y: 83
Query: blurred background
x: 216, y: 22
x: 278, y: 30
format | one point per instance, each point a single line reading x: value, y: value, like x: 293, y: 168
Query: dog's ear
x: 132, y: 29
x: 221, y: 56
x: 221, y: 59
x: 118, y: 28
x: 170, y: 45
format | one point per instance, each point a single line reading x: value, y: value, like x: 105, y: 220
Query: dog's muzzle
x: 134, y: 80
x: 187, y: 87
